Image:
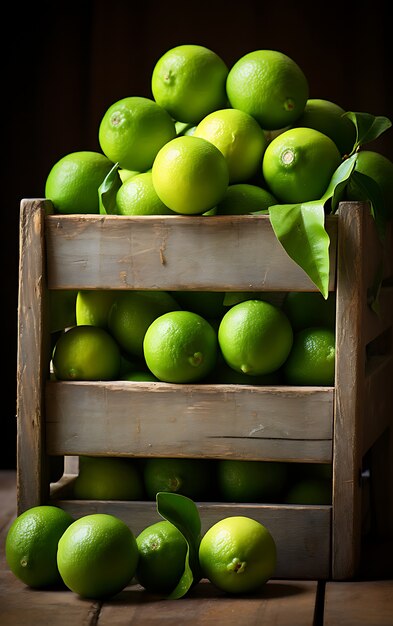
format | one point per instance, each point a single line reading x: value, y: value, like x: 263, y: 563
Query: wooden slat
x: 378, y: 413
x: 363, y: 603
x: 377, y: 323
x: 301, y: 533
x: 33, y: 356
x: 278, y: 602
x: 20, y: 605
x: 161, y: 419
x: 238, y: 253
x: 349, y: 396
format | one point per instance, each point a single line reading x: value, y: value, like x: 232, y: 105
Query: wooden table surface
x: 367, y: 601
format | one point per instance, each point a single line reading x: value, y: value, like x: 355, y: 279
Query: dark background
x: 64, y: 63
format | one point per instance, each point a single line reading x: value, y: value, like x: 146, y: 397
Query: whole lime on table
x: 238, y: 555
x: 31, y: 545
x: 97, y: 556
x: 162, y: 553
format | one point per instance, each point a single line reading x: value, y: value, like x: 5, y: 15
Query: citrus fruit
x: 73, y: 181
x: 189, y: 82
x: 125, y: 174
x: 329, y: 118
x: 107, y: 478
x: 93, y: 306
x: 185, y: 128
x: 309, y: 308
x: 139, y: 376
x: 86, y: 353
x: 31, y: 545
x: 298, y: 164
x: 310, y: 491
x: 209, y: 304
x: 250, y: 481
x: 238, y: 554
x: 162, y: 552
x: 312, y: 358
x: 268, y: 85
x: 240, y: 139
x: 62, y: 309
x: 255, y: 337
x: 137, y: 196
x: 97, y: 556
x: 380, y: 169
x: 243, y: 198
x: 225, y: 375
x: 133, y: 130
x: 190, y: 175
x: 180, y: 347
x: 186, y: 476
x: 132, y: 313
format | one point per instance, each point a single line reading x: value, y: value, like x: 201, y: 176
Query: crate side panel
x: 32, y: 357
x: 301, y: 533
x: 159, y: 419
x: 172, y: 252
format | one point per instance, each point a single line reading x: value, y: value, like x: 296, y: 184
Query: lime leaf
x: 368, y: 127
x: 338, y: 182
x: 107, y: 191
x: 183, y: 513
x: 368, y: 188
x: 186, y: 580
x: 300, y: 228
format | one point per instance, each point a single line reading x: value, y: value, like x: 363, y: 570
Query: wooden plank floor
x: 364, y: 602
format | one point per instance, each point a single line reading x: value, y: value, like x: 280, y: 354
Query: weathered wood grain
x: 224, y: 253
x: 162, y: 419
x: 32, y: 357
x: 361, y: 603
x: 287, y: 603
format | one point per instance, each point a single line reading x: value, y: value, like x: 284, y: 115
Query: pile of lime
x: 219, y: 139
x: 194, y: 337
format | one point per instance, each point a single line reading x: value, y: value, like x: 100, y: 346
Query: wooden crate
x: 348, y: 425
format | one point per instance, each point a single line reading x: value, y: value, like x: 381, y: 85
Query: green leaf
x: 368, y: 188
x: 338, y: 182
x: 300, y: 228
x: 183, y: 513
x: 186, y: 580
x: 107, y: 191
x: 368, y: 127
